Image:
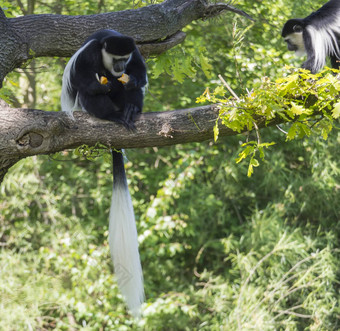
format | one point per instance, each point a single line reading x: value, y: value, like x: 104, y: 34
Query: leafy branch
x: 308, y: 102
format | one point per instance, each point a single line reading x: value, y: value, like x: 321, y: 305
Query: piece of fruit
x: 124, y: 79
x: 103, y: 80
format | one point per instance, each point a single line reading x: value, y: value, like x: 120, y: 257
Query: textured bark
x: 26, y: 132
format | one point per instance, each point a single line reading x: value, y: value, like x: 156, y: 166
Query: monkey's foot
x: 130, y: 113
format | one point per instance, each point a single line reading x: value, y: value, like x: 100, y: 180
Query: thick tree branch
x: 27, y: 132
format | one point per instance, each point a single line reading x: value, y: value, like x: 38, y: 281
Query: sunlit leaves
x: 336, y: 110
x: 216, y: 131
x: 306, y: 100
x: 297, y: 109
x: 251, y: 149
x: 179, y: 63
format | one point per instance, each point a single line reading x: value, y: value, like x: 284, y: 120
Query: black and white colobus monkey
x: 318, y: 35
x: 108, y: 54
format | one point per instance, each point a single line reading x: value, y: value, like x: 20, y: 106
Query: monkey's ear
x: 297, y: 28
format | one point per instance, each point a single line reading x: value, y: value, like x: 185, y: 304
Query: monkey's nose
x: 119, y: 66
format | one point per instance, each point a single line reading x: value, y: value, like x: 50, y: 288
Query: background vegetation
x: 220, y: 251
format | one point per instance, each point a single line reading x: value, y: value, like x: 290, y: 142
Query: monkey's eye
x: 297, y: 28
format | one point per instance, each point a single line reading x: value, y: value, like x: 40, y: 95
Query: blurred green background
x: 220, y: 251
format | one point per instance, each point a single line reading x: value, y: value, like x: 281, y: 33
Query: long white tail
x: 123, y: 239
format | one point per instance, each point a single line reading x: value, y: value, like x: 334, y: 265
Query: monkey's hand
x: 132, y: 83
x: 96, y: 88
x: 102, y: 79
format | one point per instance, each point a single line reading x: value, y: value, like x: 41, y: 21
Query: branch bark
x: 27, y: 132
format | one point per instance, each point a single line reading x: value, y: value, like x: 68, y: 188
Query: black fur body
x: 113, y: 101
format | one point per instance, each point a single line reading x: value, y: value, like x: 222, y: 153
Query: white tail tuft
x: 123, y: 242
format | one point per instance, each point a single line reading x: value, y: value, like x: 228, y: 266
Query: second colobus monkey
x: 318, y: 35
x: 93, y: 81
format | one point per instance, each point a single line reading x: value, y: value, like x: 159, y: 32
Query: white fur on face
x: 108, y: 61
x: 296, y: 38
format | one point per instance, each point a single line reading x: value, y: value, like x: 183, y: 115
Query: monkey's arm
x: 95, y: 87
x: 134, y: 83
x: 310, y: 63
x: 136, y: 70
x: 88, y: 69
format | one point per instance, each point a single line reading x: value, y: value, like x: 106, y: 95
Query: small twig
x: 278, y: 126
x: 192, y: 119
x: 288, y: 312
x: 257, y: 133
x: 213, y: 9
x: 228, y: 87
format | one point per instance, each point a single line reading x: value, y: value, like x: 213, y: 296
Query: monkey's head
x: 292, y: 33
x: 116, y: 53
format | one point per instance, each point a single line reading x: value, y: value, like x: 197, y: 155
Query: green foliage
x: 92, y: 152
x: 179, y: 64
x: 252, y: 148
x: 5, y: 94
x: 220, y: 251
x: 306, y: 100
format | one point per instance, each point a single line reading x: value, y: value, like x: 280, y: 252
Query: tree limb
x: 27, y: 132
x: 215, y: 9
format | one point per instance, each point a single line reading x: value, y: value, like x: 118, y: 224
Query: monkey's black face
x: 292, y: 33
x: 290, y: 45
x: 295, y: 43
x: 116, y: 64
x: 119, y: 63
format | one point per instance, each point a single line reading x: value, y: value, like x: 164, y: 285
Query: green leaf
x: 336, y: 110
x: 250, y: 170
x: 243, y: 154
x: 292, y: 132
x: 216, y: 131
x: 205, y: 65
x: 254, y: 162
x: 297, y: 109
